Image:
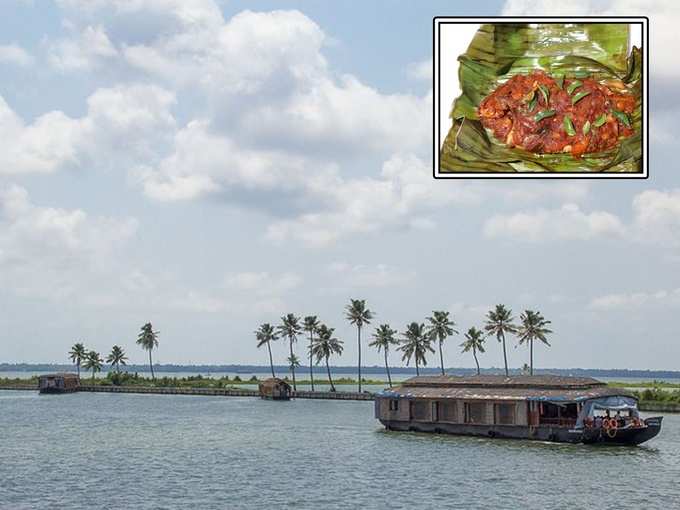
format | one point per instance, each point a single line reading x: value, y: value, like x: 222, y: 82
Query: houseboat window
x: 447, y: 412
x: 504, y: 414
x: 435, y: 411
x: 559, y: 414
x: 419, y: 410
x: 474, y: 412
x: 394, y: 404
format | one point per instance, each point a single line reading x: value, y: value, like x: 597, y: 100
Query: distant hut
x: 58, y: 383
x: 275, y: 389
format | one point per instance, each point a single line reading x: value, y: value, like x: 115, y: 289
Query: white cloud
x: 632, y: 300
x: 51, y: 252
x: 405, y: 196
x: 655, y: 220
x: 421, y: 70
x: 566, y: 223
x: 262, y: 282
x: 365, y: 276
x: 656, y: 217
x: 15, y: 54
x: 85, y: 50
x: 122, y: 123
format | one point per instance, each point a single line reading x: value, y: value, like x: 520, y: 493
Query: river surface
x: 89, y: 450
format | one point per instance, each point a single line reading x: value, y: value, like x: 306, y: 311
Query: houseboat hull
x: 53, y: 391
x: 632, y: 436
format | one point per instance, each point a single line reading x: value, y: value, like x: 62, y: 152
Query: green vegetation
x: 441, y: 327
x: 93, y: 361
x: 148, y: 339
x: 474, y: 341
x: 644, y: 384
x: 325, y: 346
x: 416, y: 344
x: 265, y: 335
x: 77, y: 355
x: 534, y: 327
x: 359, y: 315
x: 384, y: 337
x: 499, y: 322
x: 311, y: 326
x: 290, y: 328
x: 658, y: 395
x: 117, y: 357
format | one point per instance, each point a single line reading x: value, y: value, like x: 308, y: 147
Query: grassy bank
x: 192, y: 381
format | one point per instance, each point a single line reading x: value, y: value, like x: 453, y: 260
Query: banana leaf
x: 498, y: 52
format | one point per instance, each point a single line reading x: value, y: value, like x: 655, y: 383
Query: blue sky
x: 209, y: 168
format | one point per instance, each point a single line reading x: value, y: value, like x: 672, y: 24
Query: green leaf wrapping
x: 498, y: 52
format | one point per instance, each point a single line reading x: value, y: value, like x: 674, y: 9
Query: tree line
x: 415, y: 342
x: 92, y: 360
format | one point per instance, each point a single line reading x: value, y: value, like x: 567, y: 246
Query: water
x: 160, y: 451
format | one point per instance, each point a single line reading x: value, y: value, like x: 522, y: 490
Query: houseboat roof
x: 499, y: 387
x: 65, y: 375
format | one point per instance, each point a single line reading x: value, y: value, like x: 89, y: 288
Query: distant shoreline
x: 280, y: 369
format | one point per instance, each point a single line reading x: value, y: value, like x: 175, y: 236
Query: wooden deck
x: 223, y: 392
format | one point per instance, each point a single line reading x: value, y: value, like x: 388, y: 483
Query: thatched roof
x: 273, y: 382
x: 496, y: 387
x: 64, y: 375
x: 501, y: 381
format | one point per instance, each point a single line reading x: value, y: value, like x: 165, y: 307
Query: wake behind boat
x: 546, y: 408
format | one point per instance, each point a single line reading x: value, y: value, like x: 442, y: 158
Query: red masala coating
x: 513, y: 112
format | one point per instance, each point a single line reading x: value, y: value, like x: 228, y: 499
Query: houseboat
x: 58, y: 383
x: 275, y: 389
x: 544, y: 408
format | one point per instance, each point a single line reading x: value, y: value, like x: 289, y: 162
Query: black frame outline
x: 436, y: 153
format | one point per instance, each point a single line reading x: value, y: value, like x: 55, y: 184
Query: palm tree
x: 117, y: 357
x: 441, y: 327
x: 77, y: 355
x: 359, y: 315
x: 290, y: 328
x: 311, y: 324
x: 384, y: 337
x: 324, y: 346
x: 148, y: 339
x: 474, y: 341
x: 415, y: 345
x: 498, y: 323
x: 533, y: 328
x: 266, y: 335
x: 93, y: 361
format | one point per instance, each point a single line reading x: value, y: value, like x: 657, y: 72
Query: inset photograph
x: 540, y: 97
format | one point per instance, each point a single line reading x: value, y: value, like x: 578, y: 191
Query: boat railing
x: 558, y: 422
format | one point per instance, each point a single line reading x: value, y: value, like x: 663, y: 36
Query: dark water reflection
x: 153, y: 451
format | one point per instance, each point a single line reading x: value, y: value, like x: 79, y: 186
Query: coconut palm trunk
x: 330, y: 379
x: 311, y: 370
x: 271, y: 360
x: 417, y: 369
x: 505, y: 355
x: 387, y: 368
x: 531, y: 357
x: 292, y: 365
x: 78, y: 368
x: 153, y: 377
x: 474, y: 353
x: 359, y: 348
x: 441, y: 357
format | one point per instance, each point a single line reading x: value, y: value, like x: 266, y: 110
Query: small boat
x: 542, y: 407
x: 58, y: 383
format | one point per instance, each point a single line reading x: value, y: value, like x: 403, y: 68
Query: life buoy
x: 611, y: 432
x: 605, y: 424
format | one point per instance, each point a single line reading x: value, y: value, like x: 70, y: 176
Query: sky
x: 212, y: 165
